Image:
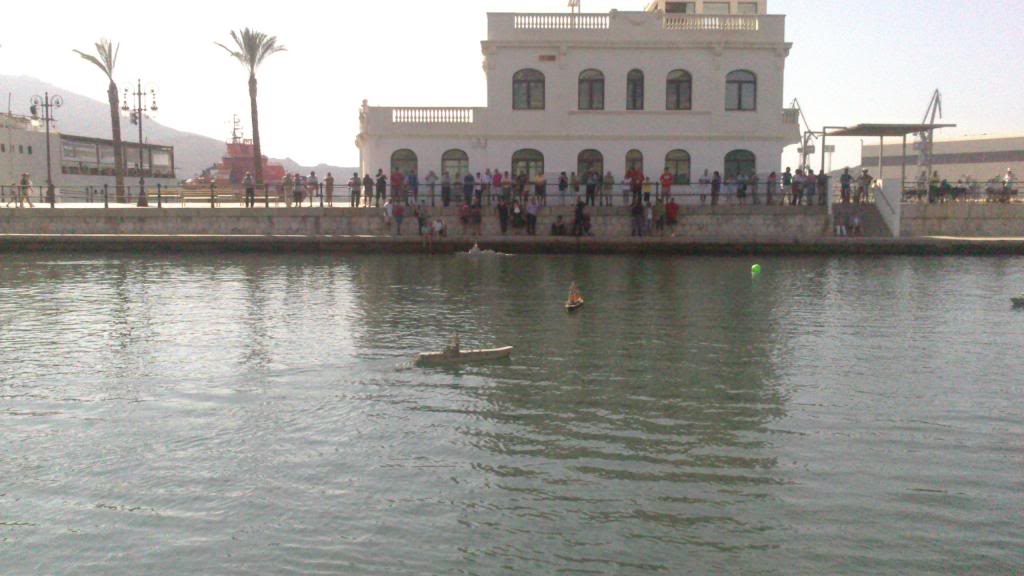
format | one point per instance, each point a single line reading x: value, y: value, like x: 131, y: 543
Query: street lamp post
x: 137, y: 112
x: 47, y: 103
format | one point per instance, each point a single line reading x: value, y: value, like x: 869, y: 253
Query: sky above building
x: 851, y: 62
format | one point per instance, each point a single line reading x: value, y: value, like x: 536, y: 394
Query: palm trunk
x: 115, y: 126
x: 256, y: 148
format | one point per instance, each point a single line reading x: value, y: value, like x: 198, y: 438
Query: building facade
x: 691, y: 86
x: 76, y: 162
x: 977, y: 158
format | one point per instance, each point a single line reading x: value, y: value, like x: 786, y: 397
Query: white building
x: 77, y: 163
x: 690, y: 85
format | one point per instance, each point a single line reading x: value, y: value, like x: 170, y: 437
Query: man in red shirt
x: 636, y: 183
x: 397, y: 186
x: 667, y: 179
x: 672, y: 215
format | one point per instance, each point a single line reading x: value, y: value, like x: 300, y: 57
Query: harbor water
x: 262, y: 415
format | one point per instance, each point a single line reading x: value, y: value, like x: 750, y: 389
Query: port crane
x: 806, y: 147
x: 926, y: 139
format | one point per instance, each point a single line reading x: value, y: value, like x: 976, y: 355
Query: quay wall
x: 963, y: 219
x: 719, y: 223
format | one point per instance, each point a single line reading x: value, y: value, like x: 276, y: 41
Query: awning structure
x: 886, y: 130
x: 882, y: 131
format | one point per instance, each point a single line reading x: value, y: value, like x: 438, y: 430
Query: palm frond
x: 252, y: 47
x: 107, y: 56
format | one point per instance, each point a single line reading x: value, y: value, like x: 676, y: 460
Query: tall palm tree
x: 105, y: 60
x: 252, y: 48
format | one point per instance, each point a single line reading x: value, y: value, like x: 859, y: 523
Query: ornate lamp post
x: 47, y: 103
x: 137, y: 111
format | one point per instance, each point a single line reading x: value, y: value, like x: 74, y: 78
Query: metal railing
x: 701, y: 23
x: 562, y: 22
x: 551, y: 193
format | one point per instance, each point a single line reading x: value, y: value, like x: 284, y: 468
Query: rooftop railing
x: 702, y: 23
x: 432, y: 115
x: 562, y: 22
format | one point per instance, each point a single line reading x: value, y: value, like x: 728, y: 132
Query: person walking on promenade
x: 446, y: 189
x: 636, y: 212
x: 250, y: 190
x: 666, y: 181
x: 381, y: 192
x: 532, y: 209
x: 431, y: 181
x: 299, y: 189
x: 845, y: 186
x: 355, y: 191
x: 367, y: 190
x: 287, y: 190
x: 313, y: 187
x: 773, y: 184
x: 716, y: 187
x: 468, y: 183
x: 503, y: 215
x: 23, y: 191
x: 563, y: 186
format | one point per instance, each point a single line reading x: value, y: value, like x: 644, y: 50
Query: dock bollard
x: 159, y: 197
x: 321, y: 195
x: 213, y: 198
x: 266, y: 195
x: 106, y: 197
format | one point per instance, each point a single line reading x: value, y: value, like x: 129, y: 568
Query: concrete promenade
x: 205, y: 244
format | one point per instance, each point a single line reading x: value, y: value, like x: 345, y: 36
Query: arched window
x: 678, y: 164
x: 635, y: 90
x: 634, y: 161
x: 455, y: 163
x: 741, y: 90
x: 528, y: 90
x: 404, y: 161
x: 740, y: 162
x: 591, y: 90
x: 679, y: 91
x: 527, y: 161
x: 587, y: 162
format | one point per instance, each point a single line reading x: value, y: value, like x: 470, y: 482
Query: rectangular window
x: 3, y: 147
x: 681, y: 7
x: 30, y: 150
x: 717, y: 8
x: 747, y: 8
x: 21, y: 149
x: 548, y: 58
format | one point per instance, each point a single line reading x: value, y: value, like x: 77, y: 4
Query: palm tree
x: 252, y: 49
x: 105, y: 60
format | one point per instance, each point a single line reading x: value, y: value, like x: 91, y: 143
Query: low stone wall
x: 733, y: 223
x: 963, y: 219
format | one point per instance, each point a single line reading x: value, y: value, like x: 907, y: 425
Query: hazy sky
x: 852, y: 61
